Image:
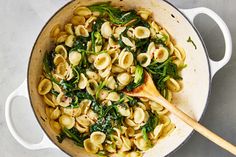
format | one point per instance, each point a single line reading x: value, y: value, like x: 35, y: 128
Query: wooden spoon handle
x: 195, y: 125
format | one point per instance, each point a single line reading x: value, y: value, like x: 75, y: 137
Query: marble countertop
x: 20, y: 24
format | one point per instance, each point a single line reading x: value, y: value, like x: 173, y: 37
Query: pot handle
x: 21, y: 91
x: 214, y: 65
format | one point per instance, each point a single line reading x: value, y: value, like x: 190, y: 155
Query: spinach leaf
x: 73, y: 134
x: 150, y: 125
x: 84, y: 95
x: 138, y: 79
x: 48, y: 64
x: 116, y: 15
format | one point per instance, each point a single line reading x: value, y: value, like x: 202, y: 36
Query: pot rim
x: 209, y: 80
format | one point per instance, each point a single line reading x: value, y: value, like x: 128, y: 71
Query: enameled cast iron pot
x: 196, y: 77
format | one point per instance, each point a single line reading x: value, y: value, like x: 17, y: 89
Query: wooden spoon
x: 148, y: 90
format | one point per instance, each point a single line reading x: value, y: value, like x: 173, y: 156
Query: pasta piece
x: 125, y: 59
x: 141, y: 144
x: 144, y: 59
x: 55, y: 114
x: 60, y: 49
x: 67, y: 121
x: 74, y: 112
x: 126, y: 146
x: 157, y: 131
x: 58, y: 59
x: 144, y: 13
x: 82, y: 11
x: 55, y: 126
x: 151, y: 49
x: 131, y: 69
x: 70, y: 40
x: 80, y: 30
x: 130, y: 33
x: 161, y: 54
x: 139, y: 115
x: 130, y: 132
x: 48, y: 101
x: 130, y: 122
x: 165, y: 120
x: 90, y: 146
x: 81, y: 129
x: 127, y: 42
x: 124, y: 110
x: 111, y: 83
x: 106, y: 30
x: 56, y: 87
x: 173, y: 85
x: 83, y: 121
x: 63, y: 100
x: 141, y: 32
x: 124, y: 78
x: 48, y: 111
x: 89, y: 23
x: 61, y: 37
x: 113, y: 43
x: 155, y: 106
x: 119, y: 30
x: 91, y: 87
x: 155, y: 26
x: 83, y: 81
x: 44, y: 86
x: 55, y: 31
x: 110, y: 148
x: 117, y: 69
x: 85, y: 105
x: 97, y: 137
x: 102, y: 61
x: 61, y: 69
x: 181, y: 53
x: 92, y: 75
x: 105, y: 72
x: 74, y: 58
x: 78, y: 20
x: 117, y: 140
x: 68, y: 28
x: 113, y: 96
x: 92, y: 115
x: 167, y: 130
x: 70, y: 73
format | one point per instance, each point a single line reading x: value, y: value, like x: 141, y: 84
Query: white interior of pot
x: 192, y: 99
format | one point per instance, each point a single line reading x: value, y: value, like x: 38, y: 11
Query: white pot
x: 196, y: 77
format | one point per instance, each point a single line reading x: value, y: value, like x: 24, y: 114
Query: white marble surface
x: 22, y: 20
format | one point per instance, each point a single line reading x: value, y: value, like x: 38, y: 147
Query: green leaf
x: 138, y: 79
x: 138, y: 74
x: 116, y: 15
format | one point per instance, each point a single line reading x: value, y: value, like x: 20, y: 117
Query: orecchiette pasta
x: 106, y: 30
x: 44, y: 86
x: 60, y: 49
x: 144, y: 59
x: 82, y: 81
x: 141, y: 32
x: 67, y: 121
x: 95, y: 57
x: 80, y: 30
x: 102, y: 61
x: 125, y: 59
x: 124, y: 78
x: 82, y: 11
x: 74, y: 58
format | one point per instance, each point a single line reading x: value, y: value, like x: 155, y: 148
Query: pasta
x: 96, y: 56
